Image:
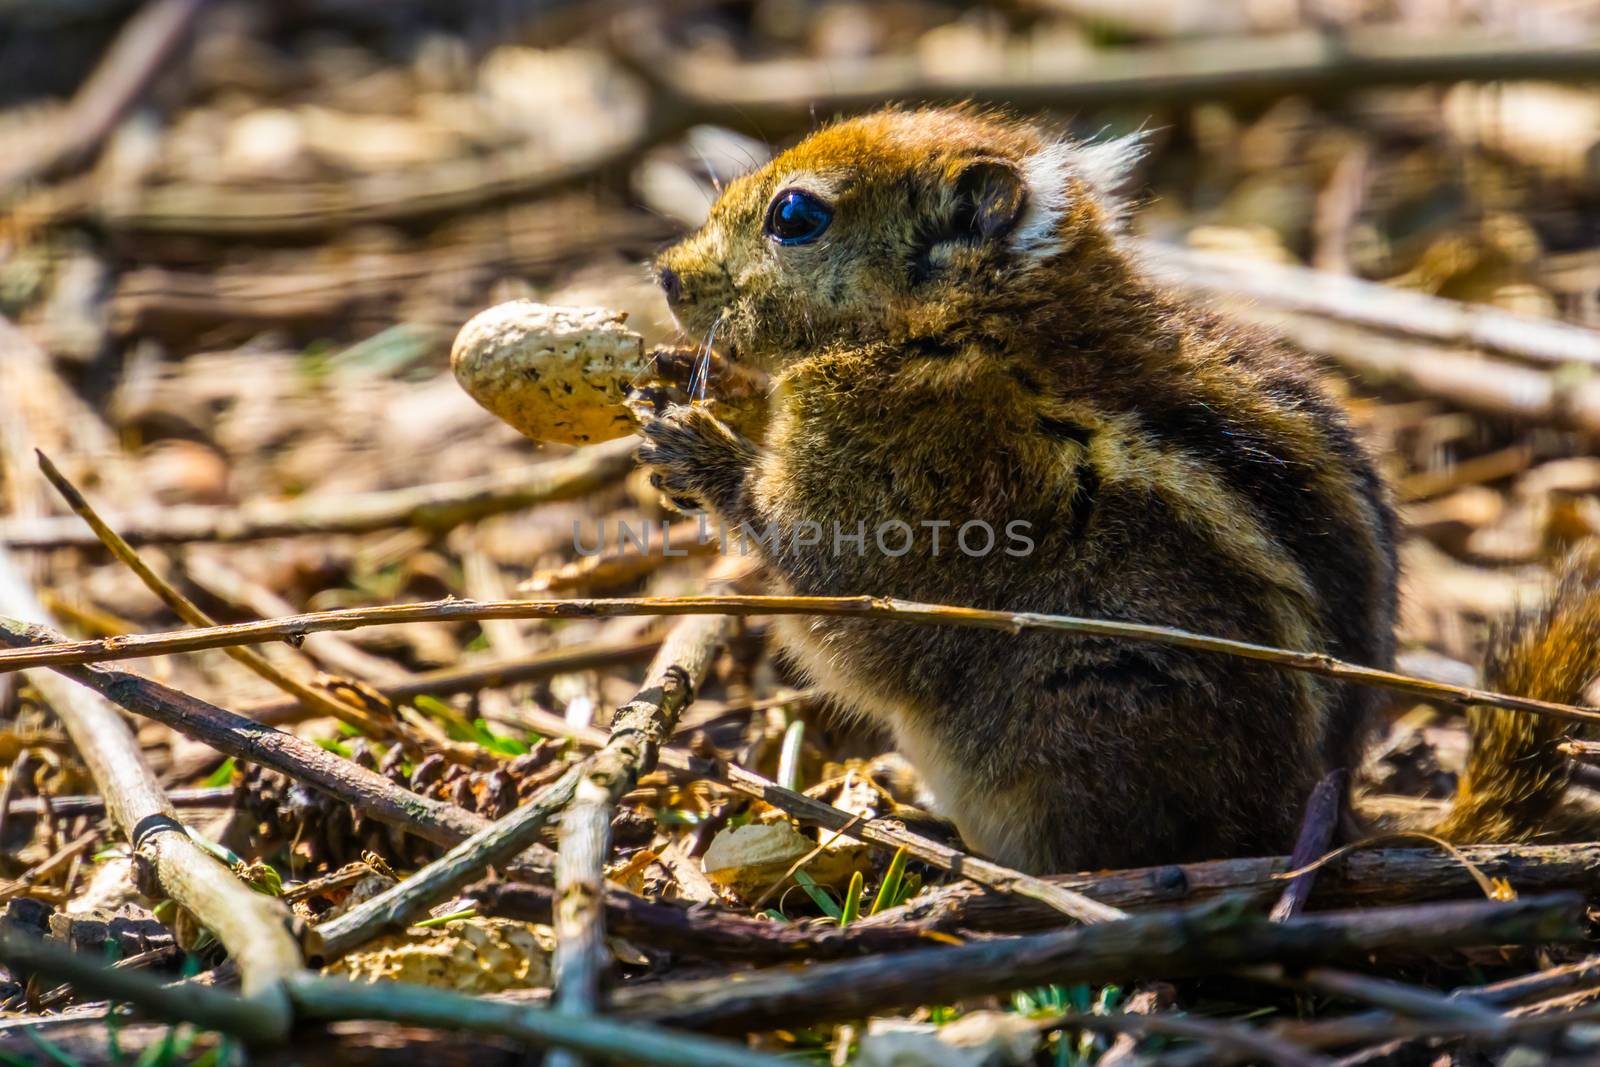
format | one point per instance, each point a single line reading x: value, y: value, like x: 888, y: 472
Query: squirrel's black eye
x: 797, y: 218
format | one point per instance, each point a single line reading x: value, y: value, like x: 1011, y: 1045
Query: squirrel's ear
x: 989, y: 197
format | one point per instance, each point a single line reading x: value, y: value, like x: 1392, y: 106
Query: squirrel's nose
x: 671, y: 284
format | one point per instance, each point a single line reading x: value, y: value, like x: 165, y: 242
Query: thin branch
x: 253, y: 927
x: 1370, y: 876
x: 68, y: 807
x: 332, y: 999
x: 1463, y: 379
x: 398, y: 905
x: 1208, y: 939
x: 1404, y: 1000
x: 291, y: 627
x: 638, y: 730
x: 1450, y: 323
x: 706, y: 932
x: 886, y: 831
x: 788, y: 93
x: 471, y: 677
x: 324, y: 703
x: 1247, y: 1043
x: 428, y: 507
x: 251, y: 742
x: 411, y: 1005
x: 144, y: 48
x: 1549, y: 982
x: 1321, y: 819
x: 447, y: 188
x: 188, y: 1002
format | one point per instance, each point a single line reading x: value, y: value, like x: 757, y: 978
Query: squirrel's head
x: 899, y: 220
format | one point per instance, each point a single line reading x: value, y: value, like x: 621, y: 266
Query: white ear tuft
x: 1046, y: 173
x: 1105, y: 166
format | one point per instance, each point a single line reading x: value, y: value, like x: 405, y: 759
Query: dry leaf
x: 980, y: 1039
x: 478, y: 955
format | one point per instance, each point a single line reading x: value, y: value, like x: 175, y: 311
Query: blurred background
x: 238, y: 238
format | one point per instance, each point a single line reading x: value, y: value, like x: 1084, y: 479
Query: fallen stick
x: 143, y: 49
x: 470, y: 678
x: 1450, y: 323
x: 704, y: 932
x: 583, y: 796
x: 887, y: 832
x: 86, y: 1038
x: 333, y: 999
x: 1464, y: 379
x: 1246, y: 1042
x: 292, y: 627
x: 1376, y: 877
x: 68, y: 807
x: 787, y: 93
x: 430, y: 507
x: 254, y: 928
x: 1208, y: 939
x: 397, y: 906
x: 251, y: 742
x: 638, y: 730
x: 188, y: 1002
x: 447, y: 188
x: 1366, y: 876
x: 324, y: 702
x: 1552, y: 981
x: 1407, y: 1001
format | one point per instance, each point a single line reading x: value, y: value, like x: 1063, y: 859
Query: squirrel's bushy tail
x: 1515, y: 774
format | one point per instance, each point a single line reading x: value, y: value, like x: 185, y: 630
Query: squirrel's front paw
x: 694, y: 458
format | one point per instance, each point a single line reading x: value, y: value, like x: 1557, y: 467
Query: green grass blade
x: 819, y: 896
x: 852, y: 900
x: 889, y: 892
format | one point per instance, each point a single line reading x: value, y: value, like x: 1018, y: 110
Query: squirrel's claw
x: 694, y: 458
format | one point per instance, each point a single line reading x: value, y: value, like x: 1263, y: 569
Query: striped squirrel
x: 958, y: 336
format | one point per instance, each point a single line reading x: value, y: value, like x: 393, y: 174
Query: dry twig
x: 887, y: 608
x: 638, y: 730
x: 1302, y: 291
x: 428, y: 507
x: 1205, y: 940
x: 253, y: 927
x: 887, y: 832
x: 398, y: 905
x: 141, y: 52
x: 323, y: 702
x: 1321, y: 819
x: 252, y: 742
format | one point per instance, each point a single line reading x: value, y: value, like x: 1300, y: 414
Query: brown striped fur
x: 968, y: 340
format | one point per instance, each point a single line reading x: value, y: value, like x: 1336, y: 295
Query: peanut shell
x: 556, y: 374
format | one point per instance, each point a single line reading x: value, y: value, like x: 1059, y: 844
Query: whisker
x: 711, y: 172
x: 701, y: 374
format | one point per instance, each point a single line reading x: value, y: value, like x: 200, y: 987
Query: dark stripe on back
x: 932, y: 347
x: 1335, y: 553
x: 1065, y: 429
